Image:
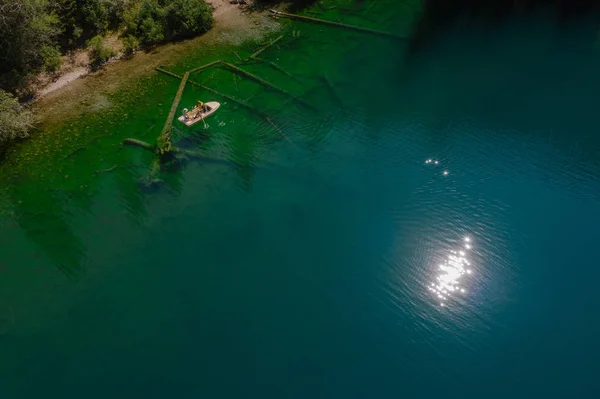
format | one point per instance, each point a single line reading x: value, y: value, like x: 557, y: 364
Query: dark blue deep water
x: 433, y: 231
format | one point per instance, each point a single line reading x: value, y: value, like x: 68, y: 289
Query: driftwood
x: 106, y: 170
x: 256, y: 78
x: 280, y: 69
x: 267, y: 84
x: 163, y: 142
x: 205, y: 66
x: 293, y: 39
x: 73, y: 153
x: 266, y: 47
x: 159, y: 69
x: 232, y: 99
x: 253, y: 60
x: 235, y: 100
x: 138, y: 143
x: 338, y: 24
x: 332, y: 89
x: 370, y: 6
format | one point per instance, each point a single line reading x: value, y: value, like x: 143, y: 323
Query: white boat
x: 196, y: 115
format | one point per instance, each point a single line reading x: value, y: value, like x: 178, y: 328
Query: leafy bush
x: 51, y: 57
x: 147, y: 22
x: 187, y: 18
x: 130, y: 44
x: 116, y: 10
x: 99, y: 53
x: 15, y: 121
x: 94, y: 16
x: 82, y: 19
x: 154, y: 21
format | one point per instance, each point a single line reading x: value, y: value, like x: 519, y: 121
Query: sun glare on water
x: 450, y: 273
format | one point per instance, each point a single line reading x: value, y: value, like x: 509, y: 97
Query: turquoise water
x: 335, y: 261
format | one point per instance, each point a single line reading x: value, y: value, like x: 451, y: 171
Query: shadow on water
x: 132, y: 196
x: 41, y: 214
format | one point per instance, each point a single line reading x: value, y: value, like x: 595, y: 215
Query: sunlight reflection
x: 451, y: 271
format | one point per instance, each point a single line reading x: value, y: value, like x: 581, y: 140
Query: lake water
x: 422, y: 225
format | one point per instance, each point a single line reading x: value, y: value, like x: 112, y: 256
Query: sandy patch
x: 73, y: 66
x: 66, y: 78
x: 236, y: 23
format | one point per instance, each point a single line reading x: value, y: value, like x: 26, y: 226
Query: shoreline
x: 79, y: 89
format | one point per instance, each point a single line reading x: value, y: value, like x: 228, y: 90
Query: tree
x: 154, y: 21
x: 99, y: 53
x: 28, y: 32
x: 82, y: 19
x: 15, y: 121
x: 187, y: 18
x: 130, y: 44
x: 147, y: 22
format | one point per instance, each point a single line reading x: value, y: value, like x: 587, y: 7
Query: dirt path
x: 77, y: 90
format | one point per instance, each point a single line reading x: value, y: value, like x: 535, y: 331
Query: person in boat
x: 201, y: 108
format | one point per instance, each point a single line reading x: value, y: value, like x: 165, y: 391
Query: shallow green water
x: 304, y: 259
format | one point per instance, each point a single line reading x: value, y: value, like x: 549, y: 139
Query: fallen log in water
x: 370, y: 6
x: 235, y: 100
x: 267, y: 84
x: 163, y: 142
x: 280, y: 69
x: 266, y: 47
x: 293, y: 39
x: 106, y: 170
x: 138, y: 143
x: 159, y: 69
x: 257, y: 79
x: 338, y: 24
x: 332, y: 89
x: 205, y: 66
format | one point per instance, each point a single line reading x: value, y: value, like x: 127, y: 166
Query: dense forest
x: 34, y: 33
